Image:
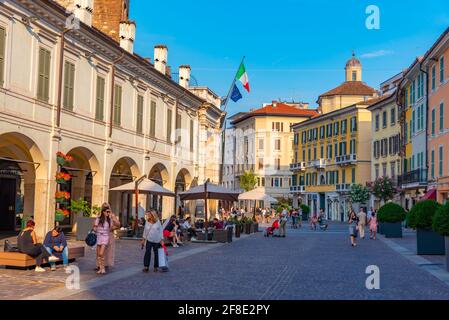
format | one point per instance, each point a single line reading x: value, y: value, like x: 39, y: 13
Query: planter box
x: 380, y: 228
x: 223, y: 236
x: 256, y: 227
x: 83, y: 226
x: 247, y: 228
x: 238, y: 230
x: 392, y: 230
x: 428, y: 242
x: 446, y: 240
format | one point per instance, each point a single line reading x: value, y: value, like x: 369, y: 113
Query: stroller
x: 270, y: 230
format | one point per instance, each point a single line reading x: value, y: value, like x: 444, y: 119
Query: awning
x: 257, y: 194
x: 146, y: 186
x: 209, y: 191
x: 430, y: 195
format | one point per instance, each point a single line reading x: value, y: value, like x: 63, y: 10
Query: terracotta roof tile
x: 356, y: 88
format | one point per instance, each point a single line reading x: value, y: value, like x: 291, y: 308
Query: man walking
x: 362, y: 223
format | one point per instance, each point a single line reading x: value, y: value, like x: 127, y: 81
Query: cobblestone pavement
x: 304, y: 265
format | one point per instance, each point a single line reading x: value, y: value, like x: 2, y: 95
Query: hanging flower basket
x: 62, y: 178
x: 62, y: 196
x: 60, y: 215
x: 62, y: 158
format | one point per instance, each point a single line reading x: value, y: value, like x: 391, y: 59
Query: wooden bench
x: 21, y: 260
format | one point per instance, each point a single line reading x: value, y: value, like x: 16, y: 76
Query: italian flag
x: 242, y: 76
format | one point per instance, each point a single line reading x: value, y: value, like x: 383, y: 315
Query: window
x: 393, y: 116
x: 99, y: 101
x: 433, y: 121
x: 440, y: 161
x: 384, y: 169
x: 261, y: 146
x: 412, y: 92
x: 376, y: 122
x: 344, y: 126
x: 406, y: 133
x: 441, y: 117
x: 336, y: 128
x: 352, y: 146
x: 2, y: 55
x: 139, y: 122
x: 376, y: 170
x: 384, y: 119
x: 191, y: 135
x: 354, y: 75
x: 153, y: 119
x: 321, y: 152
x: 69, y: 83
x: 117, y: 114
x: 442, y: 69
x: 353, y: 175
x: 353, y: 124
x: 277, y: 144
x: 392, y: 169
x: 277, y: 163
x: 343, y: 176
x: 303, y: 155
x: 434, y: 77
x: 432, y: 164
x: 277, y: 127
x: 169, y: 124
x: 314, y: 153
x: 178, y: 126
x: 412, y: 123
x: 43, y: 82
x: 322, y: 132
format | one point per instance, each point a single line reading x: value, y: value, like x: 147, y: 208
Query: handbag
x: 9, y: 248
x: 91, y: 238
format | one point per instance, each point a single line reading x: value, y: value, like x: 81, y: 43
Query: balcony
x: 319, y: 164
x: 346, y: 159
x: 297, y: 189
x: 343, y: 187
x: 413, y: 179
x: 299, y: 166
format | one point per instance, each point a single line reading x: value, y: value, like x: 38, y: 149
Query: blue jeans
x: 65, y: 255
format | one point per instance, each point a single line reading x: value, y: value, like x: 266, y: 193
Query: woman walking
x: 353, y: 221
x: 102, y: 228
x: 313, y: 221
x: 372, y: 222
x: 152, y: 239
x: 109, y: 254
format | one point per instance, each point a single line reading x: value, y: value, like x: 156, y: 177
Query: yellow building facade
x: 333, y: 150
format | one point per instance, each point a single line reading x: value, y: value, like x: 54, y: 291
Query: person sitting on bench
x: 27, y: 243
x: 191, y: 230
x: 56, y: 244
x: 218, y: 225
x: 170, y: 231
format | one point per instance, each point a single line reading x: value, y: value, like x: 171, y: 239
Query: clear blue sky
x: 295, y: 49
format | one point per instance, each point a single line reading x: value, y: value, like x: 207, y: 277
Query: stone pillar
x: 44, y: 210
x: 295, y: 201
x: 98, y: 195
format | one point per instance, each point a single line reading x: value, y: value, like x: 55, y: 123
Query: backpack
x: 91, y: 238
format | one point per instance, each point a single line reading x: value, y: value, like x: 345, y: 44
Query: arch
x: 85, y: 159
x: 183, y: 180
x: 124, y: 168
x: 23, y: 181
x: 159, y: 174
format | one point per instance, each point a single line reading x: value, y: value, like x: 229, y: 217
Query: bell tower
x: 353, y: 69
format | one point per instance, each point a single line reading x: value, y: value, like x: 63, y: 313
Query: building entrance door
x: 7, y: 204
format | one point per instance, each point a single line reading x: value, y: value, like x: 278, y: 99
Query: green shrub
x: 305, y: 209
x: 391, y: 212
x: 421, y: 215
x: 440, y: 223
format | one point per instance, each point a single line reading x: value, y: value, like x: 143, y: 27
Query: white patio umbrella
x: 257, y: 194
x: 145, y: 186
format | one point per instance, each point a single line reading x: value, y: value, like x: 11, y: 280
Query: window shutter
x: 153, y: 119
x: 169, y: 122
x: 139, y: 120
x: 117, y: 105
x: 99, y: 107
x: 2, y: 55
x: 191, y: 135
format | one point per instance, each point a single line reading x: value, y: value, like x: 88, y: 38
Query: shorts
x: 167, y: 234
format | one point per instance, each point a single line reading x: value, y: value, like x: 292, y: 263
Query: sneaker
x: 146, y: 270
x: 175, y: 245
x: 193, y: 239
x: 53, y: 259
x: 179, y: 242
x: 39, y: 269
x: 53, y: 267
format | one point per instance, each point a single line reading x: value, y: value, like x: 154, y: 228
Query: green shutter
x: 117, y: 105
x: 43, y: 83
x: 99, y: 106
x: 2, y: 55
x: 191, y: 135
x: 69, y: 83
x: 169, y: 122
x: 153, y: 119
x: 139, y: 114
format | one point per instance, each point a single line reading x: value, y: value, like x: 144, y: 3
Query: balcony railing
x: 299, y: 166
x: 297, y: 189
x: 413, y: 178
x: 319, y: 164
x: 343, y: 187
x: 346, y: 159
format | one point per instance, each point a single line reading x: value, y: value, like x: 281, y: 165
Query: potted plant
x: 85, y: 216
x: 62, y: 196
x: 247, y: 225
x: 238, y: 227
x: 391, y: 216
x: 62, y: 178
x: 62, y: 158
x: 420, y: 218
x: 61, y: 214
x: 440, y: 224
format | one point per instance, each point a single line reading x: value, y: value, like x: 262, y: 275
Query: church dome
x: 353, y: 62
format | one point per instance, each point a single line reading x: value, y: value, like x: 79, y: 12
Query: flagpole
x: 223, y: 125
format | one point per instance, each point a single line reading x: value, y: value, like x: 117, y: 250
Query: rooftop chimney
x: 127, y: 35
x: 160, y: 58
x: 83, y: 11
x: 184, y: 76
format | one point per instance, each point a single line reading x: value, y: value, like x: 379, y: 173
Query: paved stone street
x: 304, y: 265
